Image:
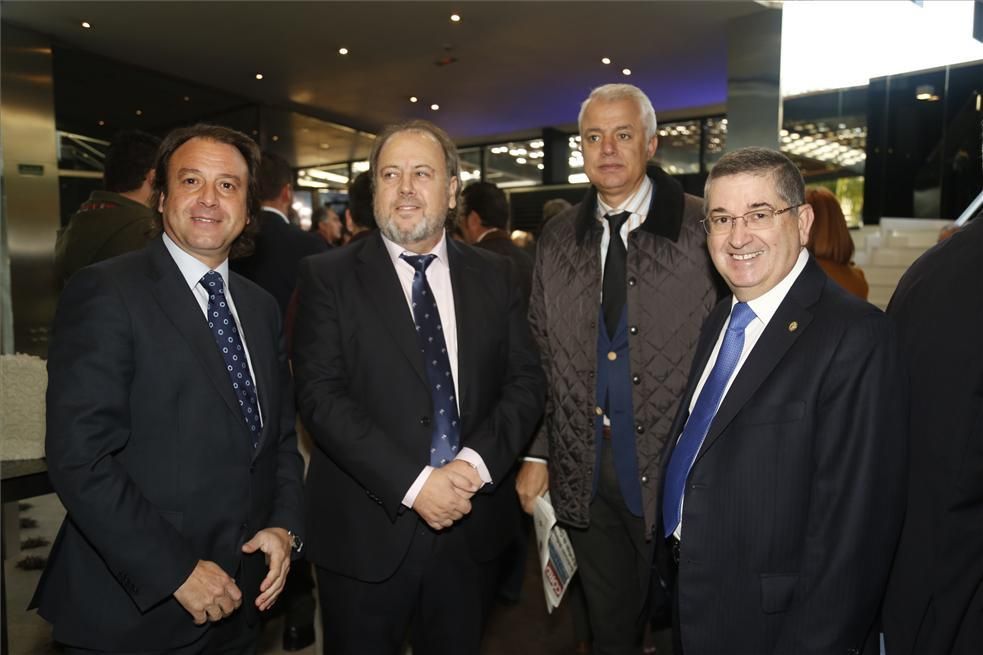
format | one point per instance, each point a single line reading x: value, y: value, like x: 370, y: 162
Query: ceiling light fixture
x: 259, y: 76
x: 626, y: 71
x: 342, y: 51
x: 605, y: 60
x: 414, y: 99
x: 276, y: 138
x: 455, y: 18
x: 101, y: 123
x: 187, y: 98
x: 434, y: 107
x: 139, y: 112
x: 86, y: 24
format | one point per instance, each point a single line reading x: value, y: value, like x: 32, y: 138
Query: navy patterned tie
x: 226, y: 334
x: 695, y: 431
x: 446, y: 436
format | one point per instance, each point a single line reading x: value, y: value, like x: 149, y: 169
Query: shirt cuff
x: 417, y: 485
x: 472, y: 457
x: 541, y: 460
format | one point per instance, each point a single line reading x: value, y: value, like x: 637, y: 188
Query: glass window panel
x: 679, y: 147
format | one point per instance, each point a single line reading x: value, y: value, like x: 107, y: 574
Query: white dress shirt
x: 192, y: 269
x: 764, y: 307
x: 637, y: 204
x: 439, y: 279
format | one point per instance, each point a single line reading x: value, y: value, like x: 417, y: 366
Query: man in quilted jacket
x: 621, y: 286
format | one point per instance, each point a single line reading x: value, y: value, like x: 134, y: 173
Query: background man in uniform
x: 117, y: 218
x: 621, y: 286
x: 420, y: 384
x: 170, y: 427
x: 784, y: 492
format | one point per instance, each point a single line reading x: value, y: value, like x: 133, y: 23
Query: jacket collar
x: 665, y: 217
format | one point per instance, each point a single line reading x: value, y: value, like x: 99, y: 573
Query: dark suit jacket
x: 934, y: 602
x: 276, y: 258
x: 364, y: 397
x: 794, y: 503
x: 149, y: 453
x: 500, y: 242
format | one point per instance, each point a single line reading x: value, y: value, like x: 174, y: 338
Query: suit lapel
x: 257, y: 337
x: 383, y: 290
x: 790, y: 321
x: 465, y: 282
x: 179, y: 305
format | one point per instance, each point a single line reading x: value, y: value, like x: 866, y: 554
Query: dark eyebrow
x: 221, y: 176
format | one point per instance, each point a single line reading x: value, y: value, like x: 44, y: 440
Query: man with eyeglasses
x: 784, y: 486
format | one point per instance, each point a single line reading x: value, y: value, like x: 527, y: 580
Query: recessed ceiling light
x: 605, y: 60
x: 414, y: 99
x: 187, y: 98
x: 276, y: 138
x: 455, y: 18
x: 342, y: 51
x: 259, y: 76
x: 139, y: 112
x: 540, y: 166
x: 101, y: 123
x: 434, y: 107
x: 626, y: 71
x: 86, y: 24
x: 520, y: 160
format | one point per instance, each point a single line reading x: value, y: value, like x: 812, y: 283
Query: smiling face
x: 752, y: 262
x: 204, y: 206
x: 412, y: 190
x: 616, y: 152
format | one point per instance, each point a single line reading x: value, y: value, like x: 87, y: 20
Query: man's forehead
x: 753, y: 189
x: 202, y: 151
x: 426, y: 150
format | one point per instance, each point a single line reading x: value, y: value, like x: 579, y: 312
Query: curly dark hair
x: 243, y: 245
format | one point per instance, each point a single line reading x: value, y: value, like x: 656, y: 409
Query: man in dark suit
x: 280, y: 245
x: 359, y: 218
x: 484, y: 221
x: 783, y: 494
x: 418, y: 380
x: 170, y: 427
x: 934, y: 601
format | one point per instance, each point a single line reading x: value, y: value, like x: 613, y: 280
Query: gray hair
x: 760, y: 161
x: 614, y: 92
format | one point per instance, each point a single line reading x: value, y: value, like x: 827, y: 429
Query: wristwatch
x: 296, y: 543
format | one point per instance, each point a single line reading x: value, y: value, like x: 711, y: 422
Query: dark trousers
x: 231, y: 636
x: 614, y: 563
x: 438, y: 599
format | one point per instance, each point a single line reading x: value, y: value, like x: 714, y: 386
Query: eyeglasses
x: 756, y: 219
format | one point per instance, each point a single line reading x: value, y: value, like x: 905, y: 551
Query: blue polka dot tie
x: 226, y: 334
x: 684, y: 454
x: 446, y: 436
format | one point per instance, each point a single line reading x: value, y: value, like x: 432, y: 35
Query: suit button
x: 633, y: 329
x: 599, y: 411
x: 639, y: 428
x: 632, y: 281
x: 612, y: 356
x: 424, y: 421
x: 636, y: 379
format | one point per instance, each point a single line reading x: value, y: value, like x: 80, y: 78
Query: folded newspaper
x: 556, y: 558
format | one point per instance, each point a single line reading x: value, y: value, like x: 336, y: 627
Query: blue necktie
x: 226, y: 334
x: 446, y: 436
x: 684, y: 454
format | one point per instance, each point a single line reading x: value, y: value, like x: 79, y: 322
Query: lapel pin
x: 793, y: 326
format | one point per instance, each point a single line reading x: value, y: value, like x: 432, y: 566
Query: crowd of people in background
x: 746, y: 455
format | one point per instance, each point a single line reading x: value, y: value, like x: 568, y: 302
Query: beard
x: 424, y: 228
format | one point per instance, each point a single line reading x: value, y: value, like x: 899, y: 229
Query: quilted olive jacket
x: 672, y: 286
